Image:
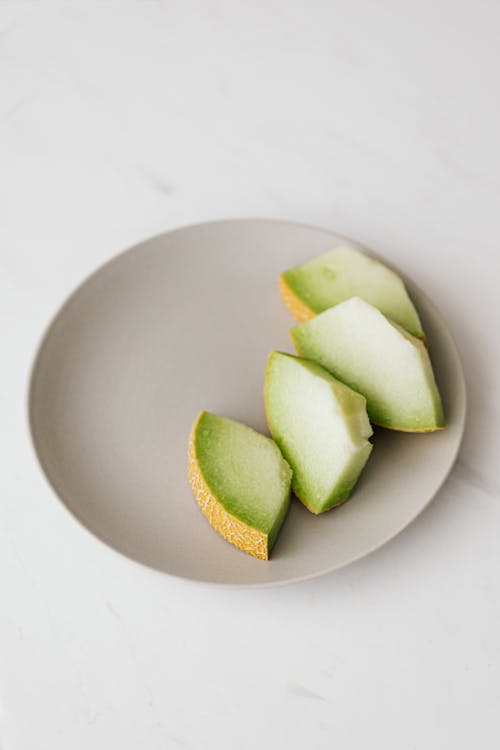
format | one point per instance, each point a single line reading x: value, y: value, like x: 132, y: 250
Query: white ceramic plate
x: 181, y: 323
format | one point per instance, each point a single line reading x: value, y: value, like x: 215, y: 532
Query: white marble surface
x: 380, y: 120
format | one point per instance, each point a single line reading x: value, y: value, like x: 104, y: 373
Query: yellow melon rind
x: 249, y: 540
x: 406, y: 429
x: 299, y: 310
x: 302, y: 313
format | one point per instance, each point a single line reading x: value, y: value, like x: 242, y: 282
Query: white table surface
x: 380, y: 120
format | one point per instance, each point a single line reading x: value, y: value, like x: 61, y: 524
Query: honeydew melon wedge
x: 321, y: 427
x: 379, y: 359
x: 241, y: 482
x: 342, y: 273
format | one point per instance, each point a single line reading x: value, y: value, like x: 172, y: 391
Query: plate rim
x: 67, y: 300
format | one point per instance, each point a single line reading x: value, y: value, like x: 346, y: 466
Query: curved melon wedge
x: 345, y: 272
x: 376, y: 357
x: 321, y: 427
x: 241, y: 482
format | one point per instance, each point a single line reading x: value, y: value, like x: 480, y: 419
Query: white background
x: 380, y: 120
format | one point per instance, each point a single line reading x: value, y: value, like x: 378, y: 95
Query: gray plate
x: 185, y: 322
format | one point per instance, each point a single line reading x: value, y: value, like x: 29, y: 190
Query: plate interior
x: 181, y: 323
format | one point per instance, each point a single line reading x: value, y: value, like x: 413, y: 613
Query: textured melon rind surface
x: 239, y: 531
x: 236, y: 532
x: 327, y: 280
x: 299, y: 310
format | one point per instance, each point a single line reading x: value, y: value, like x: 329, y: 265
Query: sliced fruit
x: 377, y: 358
x: 342, y: 273
x: 241, y: 482
x: 321, y: 427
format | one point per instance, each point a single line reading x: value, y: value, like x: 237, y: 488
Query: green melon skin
x: 346, y: 272
x: 245, y: 471
x: 321, y: 427
x: 378, y: 358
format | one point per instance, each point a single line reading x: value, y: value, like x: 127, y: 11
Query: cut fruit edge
x: 302, y: 313
x: 317, y: 512
x: 332, y: 502
x: 419, y: 340
x: 236, y: 532
x: 299, y: 310
x: 438, y: 428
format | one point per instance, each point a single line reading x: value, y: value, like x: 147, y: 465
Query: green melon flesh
x: 377, y: 358
x: 321, y: 427
x: 345, y: 272
x: 245, y: 471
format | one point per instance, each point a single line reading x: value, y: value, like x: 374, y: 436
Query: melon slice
x: 241, y: 482
x: 321, y: 427
x: 342, y: 273
x: 378, y: 358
